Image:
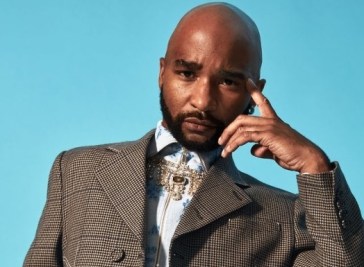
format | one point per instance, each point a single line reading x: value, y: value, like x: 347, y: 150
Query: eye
x: 228, y: 82
x: 187, y: 74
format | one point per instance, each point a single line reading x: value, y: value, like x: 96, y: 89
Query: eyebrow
x: 233, y: 74
x: 191, y: 65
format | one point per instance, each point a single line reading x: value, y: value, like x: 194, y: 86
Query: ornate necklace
x: 174, y: 176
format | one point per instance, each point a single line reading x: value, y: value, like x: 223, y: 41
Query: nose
x: 203, y: 95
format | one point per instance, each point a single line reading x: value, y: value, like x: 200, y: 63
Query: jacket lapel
x: 217, y: 196
x: 122, y: 176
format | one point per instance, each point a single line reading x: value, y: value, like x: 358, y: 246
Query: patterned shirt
x: 164, y: 211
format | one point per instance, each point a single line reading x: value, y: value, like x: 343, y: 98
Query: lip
x: 198, y: 126
x: 205, y: 123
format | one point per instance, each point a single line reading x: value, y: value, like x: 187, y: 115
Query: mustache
x: 201, y: 116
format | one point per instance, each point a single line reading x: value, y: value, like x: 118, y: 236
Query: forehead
x: 211, y: 47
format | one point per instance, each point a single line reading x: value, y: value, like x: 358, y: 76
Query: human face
x: 175, y: 127
x: 203, y: 81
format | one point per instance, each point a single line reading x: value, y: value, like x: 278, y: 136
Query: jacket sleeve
x: 46, y: 249
x: 333, y: 220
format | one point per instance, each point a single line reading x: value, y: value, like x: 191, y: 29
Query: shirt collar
x: 164, y: 138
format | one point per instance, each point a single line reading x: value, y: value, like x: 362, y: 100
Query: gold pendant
x: 174, y: 177
x: 178, y: 187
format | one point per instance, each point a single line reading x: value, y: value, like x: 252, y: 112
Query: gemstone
x: 178, y: 179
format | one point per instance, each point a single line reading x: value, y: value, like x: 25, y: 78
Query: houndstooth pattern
x: 95, y: 216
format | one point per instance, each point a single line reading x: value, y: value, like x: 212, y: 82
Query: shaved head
x: 223, y: 21
x: 213, y: 52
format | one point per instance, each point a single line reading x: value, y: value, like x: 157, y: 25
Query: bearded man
x: 175, y: 197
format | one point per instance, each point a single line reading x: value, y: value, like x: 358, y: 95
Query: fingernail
x: 223, y: 153
x: 219, y: 141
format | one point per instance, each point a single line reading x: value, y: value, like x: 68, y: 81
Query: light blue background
x: 76, y: 73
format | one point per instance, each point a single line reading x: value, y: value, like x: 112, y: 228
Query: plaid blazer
x: 95, y: 215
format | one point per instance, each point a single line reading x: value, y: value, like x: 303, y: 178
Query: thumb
x: 263, y: 152
x: 260, y: 151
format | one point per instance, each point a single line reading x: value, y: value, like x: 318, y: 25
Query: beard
x: 175, y: 127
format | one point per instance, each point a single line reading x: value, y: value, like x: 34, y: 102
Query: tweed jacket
x: 95, y: 215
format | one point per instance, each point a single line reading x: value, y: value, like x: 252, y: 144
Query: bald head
x: 221, y: 23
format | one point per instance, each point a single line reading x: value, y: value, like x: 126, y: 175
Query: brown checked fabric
x: 95, y: 216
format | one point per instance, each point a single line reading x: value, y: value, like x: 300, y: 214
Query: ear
x: 162, y: 63
x: 260, y: 84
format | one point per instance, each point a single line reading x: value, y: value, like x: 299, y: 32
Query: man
x: 175, y: 197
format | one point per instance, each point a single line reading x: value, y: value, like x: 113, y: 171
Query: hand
x: 274, y: 139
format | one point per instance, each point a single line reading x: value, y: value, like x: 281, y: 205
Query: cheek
x: 234, y: 106
x: 174, y: 98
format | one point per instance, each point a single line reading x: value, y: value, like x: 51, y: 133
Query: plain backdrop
x: 84, y: 72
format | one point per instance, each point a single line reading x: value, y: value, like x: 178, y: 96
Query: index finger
x: 265, y: 108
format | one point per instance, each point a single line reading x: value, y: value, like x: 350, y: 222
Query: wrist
x: 318, y: 164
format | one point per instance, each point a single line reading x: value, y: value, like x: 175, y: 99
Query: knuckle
x: 246, y: 134
x: 240, y: 117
